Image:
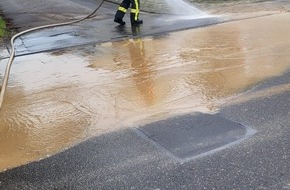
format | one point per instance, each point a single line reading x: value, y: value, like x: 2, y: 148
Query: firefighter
x: 134, y: 15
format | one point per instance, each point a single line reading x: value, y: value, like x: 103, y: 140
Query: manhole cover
x: 191, y: 136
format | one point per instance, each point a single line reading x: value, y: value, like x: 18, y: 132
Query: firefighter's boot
x: 135, y: 20
x: 119, y: 20
x: 121, y: 12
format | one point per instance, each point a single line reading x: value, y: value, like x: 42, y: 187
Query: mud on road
x: 58, y: 99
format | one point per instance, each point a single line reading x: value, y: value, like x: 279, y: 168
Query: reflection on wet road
x: 56, y: 100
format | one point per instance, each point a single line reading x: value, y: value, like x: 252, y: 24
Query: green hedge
x: 2, y: 27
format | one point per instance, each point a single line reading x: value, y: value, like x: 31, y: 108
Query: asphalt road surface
x: 142, y: 157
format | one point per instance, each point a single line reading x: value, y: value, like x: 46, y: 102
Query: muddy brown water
x: 56, y: 100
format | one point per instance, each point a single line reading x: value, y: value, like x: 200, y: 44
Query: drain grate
x: 191, y: 136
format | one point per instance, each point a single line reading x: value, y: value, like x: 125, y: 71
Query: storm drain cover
x: 191, y: 136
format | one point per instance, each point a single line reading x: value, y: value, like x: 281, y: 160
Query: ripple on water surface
x: 56, y: 100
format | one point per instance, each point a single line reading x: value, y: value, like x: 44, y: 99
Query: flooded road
x: 58, y: 99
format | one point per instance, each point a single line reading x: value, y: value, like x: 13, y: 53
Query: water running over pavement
x: 57, y: 100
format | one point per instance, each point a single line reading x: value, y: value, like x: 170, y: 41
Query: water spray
x: 176, y: 5
x: 181, y: 7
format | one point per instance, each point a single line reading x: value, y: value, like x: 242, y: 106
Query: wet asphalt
x: 141, y: 158
x: 126, y: 160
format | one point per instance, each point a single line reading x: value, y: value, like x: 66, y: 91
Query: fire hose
x: 4, y: 85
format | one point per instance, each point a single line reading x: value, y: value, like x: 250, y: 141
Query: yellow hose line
x: 12, y: 55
